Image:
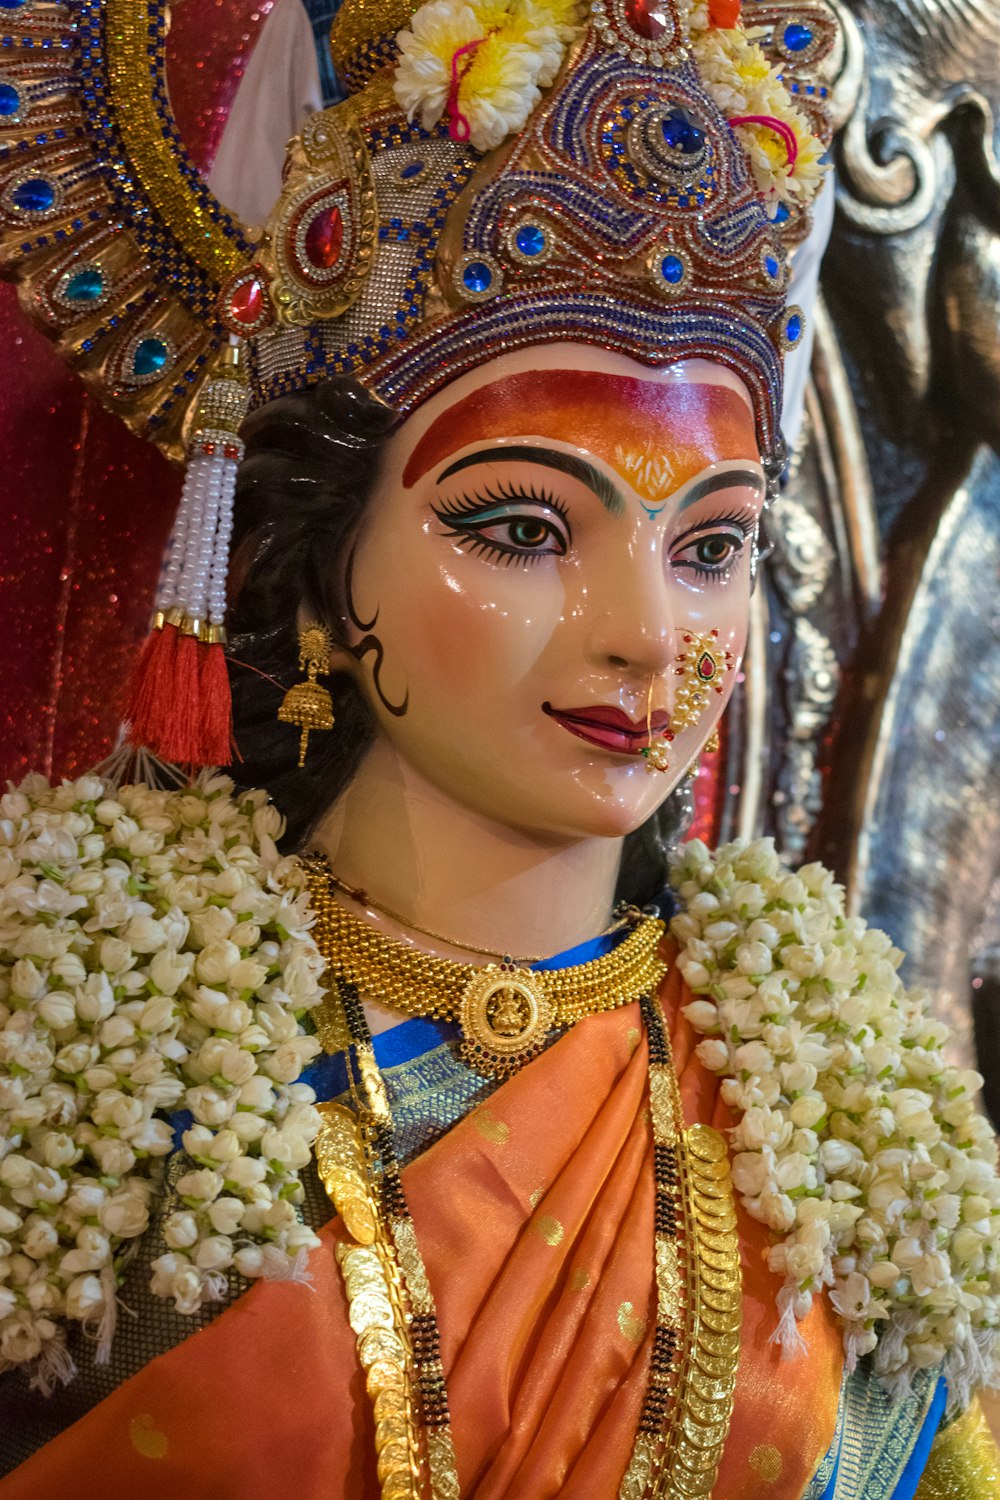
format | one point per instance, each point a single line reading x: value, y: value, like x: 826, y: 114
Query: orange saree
x: 535, y: 1218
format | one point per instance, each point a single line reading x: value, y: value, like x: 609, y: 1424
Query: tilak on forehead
x: 656, y: 435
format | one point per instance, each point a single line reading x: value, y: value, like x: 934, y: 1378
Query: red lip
x: 610, y: 728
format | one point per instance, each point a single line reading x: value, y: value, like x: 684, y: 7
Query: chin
x: 587, y: 815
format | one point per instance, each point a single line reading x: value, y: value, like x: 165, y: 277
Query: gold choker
x: 505, y: 1012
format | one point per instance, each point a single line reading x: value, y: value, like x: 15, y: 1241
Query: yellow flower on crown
x: 484, y: 63
x: 738, y: 76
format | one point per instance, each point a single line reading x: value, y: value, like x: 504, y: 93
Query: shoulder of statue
x: 857, y: 1141
x: 156, y: 959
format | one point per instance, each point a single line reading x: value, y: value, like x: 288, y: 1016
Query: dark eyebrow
x: 725, y: 481
x: 566, y: 463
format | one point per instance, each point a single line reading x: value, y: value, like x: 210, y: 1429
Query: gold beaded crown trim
x: 625, y: 212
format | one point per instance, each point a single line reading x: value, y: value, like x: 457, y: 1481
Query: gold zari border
x: 152, y: 154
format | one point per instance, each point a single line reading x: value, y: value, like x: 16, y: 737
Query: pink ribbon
x: 458, y: 125
x: 780, y: 128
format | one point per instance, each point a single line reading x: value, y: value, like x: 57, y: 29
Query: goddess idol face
x: 548, y: 539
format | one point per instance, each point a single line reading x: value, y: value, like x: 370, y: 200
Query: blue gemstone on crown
x: 796, y: 37
x: 10, y: 99
x: 150, y: 356
x: 86, y: 286
x: 781, y: 214
x: 680, y: 133
x: 793, y: 329
x: 35, y: 195
x: 530, y: 240
x: 477, y: 276
x: 12, y: 4
x: 412, y: 169
x: 672, y: 269
x: 772, y: 267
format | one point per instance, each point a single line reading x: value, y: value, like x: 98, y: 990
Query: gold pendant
x: 505, y: 1016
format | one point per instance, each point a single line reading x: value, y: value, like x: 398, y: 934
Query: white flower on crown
x: 856, y: 1142
x: 484, y: 60
x: 154, y: 956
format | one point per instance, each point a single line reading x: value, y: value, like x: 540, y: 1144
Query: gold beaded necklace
x: 505, y: 1011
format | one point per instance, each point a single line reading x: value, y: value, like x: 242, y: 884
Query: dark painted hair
x: 310, y: 464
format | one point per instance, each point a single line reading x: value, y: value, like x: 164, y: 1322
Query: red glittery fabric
x: 208, y: 48
x: 86, y: 507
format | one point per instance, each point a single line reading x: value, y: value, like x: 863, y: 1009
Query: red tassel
x: 178, y: 740
x: 148, y: 706
x: 216, y: 708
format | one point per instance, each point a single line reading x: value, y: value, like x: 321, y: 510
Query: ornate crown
x: 448, y: 211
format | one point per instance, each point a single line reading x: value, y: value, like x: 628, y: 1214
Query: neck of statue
x: 446, y: 869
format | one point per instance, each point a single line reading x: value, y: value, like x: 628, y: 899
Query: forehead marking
x: 687, y: 424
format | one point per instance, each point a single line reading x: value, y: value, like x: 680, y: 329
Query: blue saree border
x: 881, y: 1446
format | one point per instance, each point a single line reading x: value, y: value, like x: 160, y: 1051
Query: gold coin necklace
x: 688, y: 1403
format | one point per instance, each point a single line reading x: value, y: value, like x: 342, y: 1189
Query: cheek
x: 447, y: 617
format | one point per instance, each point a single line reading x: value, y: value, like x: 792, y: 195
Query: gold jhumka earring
x: 307, y: 704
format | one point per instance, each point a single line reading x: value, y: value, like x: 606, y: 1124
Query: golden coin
x: 696, y: 1482
x: 711, y: 1389
x: 714, y: 1171
x: 337, y: 1156
x: 714, y: 1188
x: 705, y: 1434
x: 399, y: 1485
x: 364, y: 1280
x: 390, y: 1429
x: 709, y: 1412
x: 721, y: 1322
x: 722, y: 1280
x: 340, y: 1180
x: 720, y: 1346
x: 718, y: 1253
x: 370, y: 1310
x: 359, y: 1220
x: 390, y: 1403
x: 385, y: 1374
x: 712, y: 1208
x: 380, y: 1343
x: 717, y: 1369
x: 705, y: 1142
x: 717, y: 1223
x: 357, y: 1256
x: 720, y: 1299
x: 395, y: 1456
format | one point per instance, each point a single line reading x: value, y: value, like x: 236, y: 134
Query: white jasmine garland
x: 856, y: 1142
x: 154, y: 956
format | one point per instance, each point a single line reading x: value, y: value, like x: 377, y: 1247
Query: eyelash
x: 456, y: 515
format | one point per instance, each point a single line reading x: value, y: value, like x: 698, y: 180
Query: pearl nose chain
x: 656, y: 751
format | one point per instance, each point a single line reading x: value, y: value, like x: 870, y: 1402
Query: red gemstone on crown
x: 648, y: 18
x: 706, y: 667
x: 324, y: 238
x: 247, y: 303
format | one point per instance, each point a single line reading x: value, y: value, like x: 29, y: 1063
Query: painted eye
x: 506, y: 532
x: 715, y: 551
x: 713, y: 555
x: 531, y: 532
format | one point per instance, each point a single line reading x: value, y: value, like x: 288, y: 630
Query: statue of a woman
x: 461, y: 1218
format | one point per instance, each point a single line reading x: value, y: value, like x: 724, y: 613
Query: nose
x: 632, y: 626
